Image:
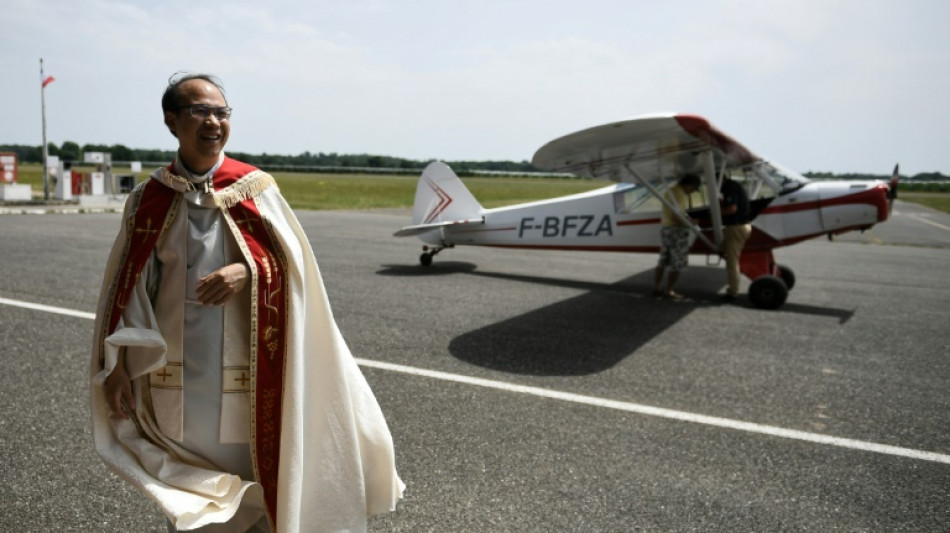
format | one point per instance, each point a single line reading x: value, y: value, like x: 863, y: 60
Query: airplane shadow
x: 588, y: 333
x: 435, y: 269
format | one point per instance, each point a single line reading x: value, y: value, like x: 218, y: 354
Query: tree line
x: 310, y: 162
x: 306, y: 161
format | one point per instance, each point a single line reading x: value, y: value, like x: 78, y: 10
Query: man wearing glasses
x: 217, y: 367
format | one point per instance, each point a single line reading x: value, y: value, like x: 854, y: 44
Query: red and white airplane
x: 647, y: 155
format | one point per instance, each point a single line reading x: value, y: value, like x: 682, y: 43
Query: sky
x: 816, y: 85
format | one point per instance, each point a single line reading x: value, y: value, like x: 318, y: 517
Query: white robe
x: 336, y: 455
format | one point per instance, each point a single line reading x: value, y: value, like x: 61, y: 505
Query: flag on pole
x: 48, y: 80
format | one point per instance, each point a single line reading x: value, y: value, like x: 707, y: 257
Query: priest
x: 221, y: 386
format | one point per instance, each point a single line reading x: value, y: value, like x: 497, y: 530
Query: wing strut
x: 712, y: 192
x: 676, y: 211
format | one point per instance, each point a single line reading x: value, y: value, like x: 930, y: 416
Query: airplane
x: 646, y: 155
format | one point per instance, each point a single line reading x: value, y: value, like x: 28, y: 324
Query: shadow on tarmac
x: 588, y: 333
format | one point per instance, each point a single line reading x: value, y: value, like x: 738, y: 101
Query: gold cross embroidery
x: 121, y: 298
x: 243, y: 379
x: 164, y: 374
x: 147, y: 229
x: 247, y: 222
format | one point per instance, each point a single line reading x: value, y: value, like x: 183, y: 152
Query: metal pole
x: 45, y: 147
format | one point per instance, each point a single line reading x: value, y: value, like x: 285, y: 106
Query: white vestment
x: 336, y: 459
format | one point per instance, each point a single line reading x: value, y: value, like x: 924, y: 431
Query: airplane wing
x: 419, y: 229
x: 649, y: 149
x: 640, y: 149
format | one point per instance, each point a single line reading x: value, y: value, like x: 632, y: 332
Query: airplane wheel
x: 425, y: 259
x: 768, y: 292
x: 787, y: 276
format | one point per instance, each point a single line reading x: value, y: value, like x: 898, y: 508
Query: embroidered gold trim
x: 283, y: 265
x: 249, y: 186
x: 252, y: 333
x: 174, y: 181
x: 236, y: 379
x: 147, y: 412
x: 135, y: 200
x: 169, y: 377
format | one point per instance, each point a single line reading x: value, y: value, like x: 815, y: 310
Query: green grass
x: 371, y: 191
x: 360, y: 191
x: 934, y: 200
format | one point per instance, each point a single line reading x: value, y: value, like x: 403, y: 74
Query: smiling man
x: 197, y: 113
x: 221, y: 386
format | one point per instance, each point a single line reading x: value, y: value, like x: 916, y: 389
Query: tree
x: 70, y: 151
x: 120, y: 153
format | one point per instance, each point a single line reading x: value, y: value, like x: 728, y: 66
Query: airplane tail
x: 442, y: 197
x: 441, y: 200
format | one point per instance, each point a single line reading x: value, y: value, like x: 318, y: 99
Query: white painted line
x: 47, y: 308
x: 660, y: 412
x: 919, y: 218
x: 594, y: 401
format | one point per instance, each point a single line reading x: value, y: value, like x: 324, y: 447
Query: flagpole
x: 45, y: 147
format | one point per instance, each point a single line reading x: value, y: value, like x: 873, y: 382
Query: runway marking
x: 47, y: 308
x: 919, y: 218
x: 647, y: 410
x: 715, y: 421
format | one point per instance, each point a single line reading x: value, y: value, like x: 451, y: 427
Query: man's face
x: 200, y: 140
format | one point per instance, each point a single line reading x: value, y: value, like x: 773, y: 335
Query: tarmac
x: 550, y: 391
x: 79, y: 205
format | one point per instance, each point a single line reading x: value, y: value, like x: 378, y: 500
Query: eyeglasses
x: 204, y: 111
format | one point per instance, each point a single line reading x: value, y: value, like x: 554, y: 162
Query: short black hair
x: 690, y: 180
x: 171, y: 99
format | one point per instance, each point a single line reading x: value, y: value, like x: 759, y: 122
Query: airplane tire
x: 425, y: 259
x: 768, y: 292
x: 787, y: 276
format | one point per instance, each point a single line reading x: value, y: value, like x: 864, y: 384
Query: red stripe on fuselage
x: 638, y: 222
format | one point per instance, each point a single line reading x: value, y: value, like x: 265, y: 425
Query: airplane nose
x: 884, y: 201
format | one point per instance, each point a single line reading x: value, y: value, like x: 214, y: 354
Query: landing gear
x: 787, y: 276
x: 768, y: 292
x: 770, y: 280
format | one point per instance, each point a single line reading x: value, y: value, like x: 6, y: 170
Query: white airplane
x: 647, y: 155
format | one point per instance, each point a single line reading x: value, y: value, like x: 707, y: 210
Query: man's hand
x: 119, y: 388
x: 219, y: 286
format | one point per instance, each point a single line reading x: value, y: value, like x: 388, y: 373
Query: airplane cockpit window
x: 633, y: 198
x: 787, y: 180
x: 765, y: 180
x: 640, y: 199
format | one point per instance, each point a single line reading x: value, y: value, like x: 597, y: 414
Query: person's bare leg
x: 671, y: 279
x: 658, y: 280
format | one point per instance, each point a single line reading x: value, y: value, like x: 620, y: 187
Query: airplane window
x: 637, y: 198
x: 632, y: 199
x: 787, y: 180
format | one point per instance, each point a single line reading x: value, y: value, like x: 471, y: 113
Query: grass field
x: 934, y: 200
x: 372, y: 191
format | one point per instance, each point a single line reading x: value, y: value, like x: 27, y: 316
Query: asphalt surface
x: 860, y: 352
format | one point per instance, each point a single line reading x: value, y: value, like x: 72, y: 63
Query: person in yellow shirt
x: 674, y: 237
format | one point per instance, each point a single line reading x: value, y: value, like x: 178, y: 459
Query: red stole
x: 153, y: 209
